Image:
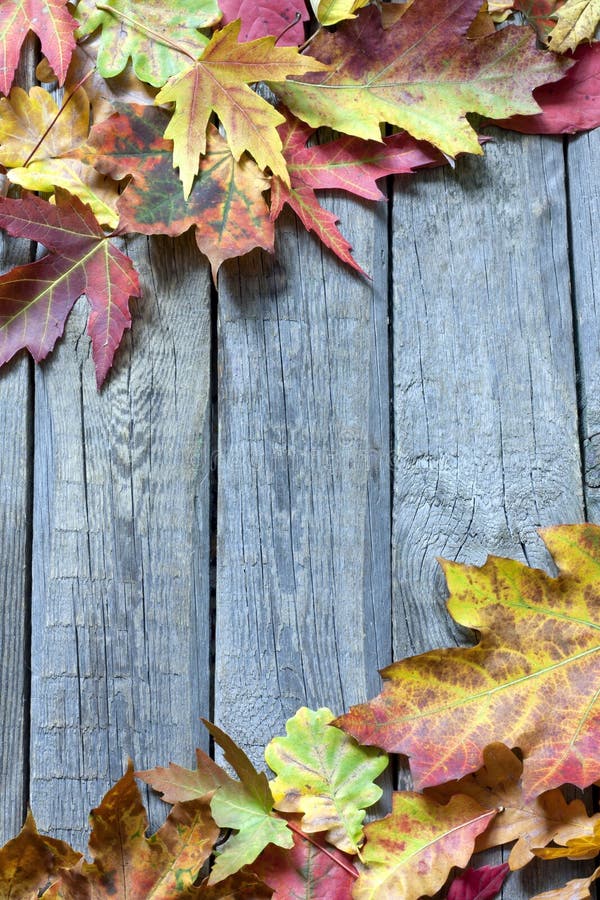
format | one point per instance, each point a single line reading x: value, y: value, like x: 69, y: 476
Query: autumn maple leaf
x: 53, y: 24
x: 226, y: 204
x: 346, y: 163
x: 310, y: 869
x: 39, y: 144
x: 531, y: 682
x: 423, y: 74
x: 218, y: 82
x: 126, y: 863
x: 36, y: 299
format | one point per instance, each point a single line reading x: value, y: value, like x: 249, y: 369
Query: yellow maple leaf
x: 39, y: 144
x: 219, y: 82
x: 576, y: 22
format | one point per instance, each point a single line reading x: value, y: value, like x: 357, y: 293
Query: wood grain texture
x: 15, y: 578
x: 121, y: 625
x: 485, y: 411
x: 303, y: 615
x: 583, y: 156
x: 16, y: 479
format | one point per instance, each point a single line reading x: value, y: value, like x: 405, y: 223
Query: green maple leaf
x: 147, y: 32
x: 246, y: 807
x: 423, y: 75
x: 325, y: 775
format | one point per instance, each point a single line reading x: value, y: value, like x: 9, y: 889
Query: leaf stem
x: 161, y: 38
x: 341, y: 863
x: 56, y: 117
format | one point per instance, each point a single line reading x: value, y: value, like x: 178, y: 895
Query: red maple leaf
x: 347, y: 163
x: 53, y: 24
x: 36, y: 299
x: 569, y: 105
x: 261, y: 19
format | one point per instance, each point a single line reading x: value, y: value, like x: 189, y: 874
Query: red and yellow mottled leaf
x: 531, y: 823
x: 36, y: 299
x: 30, y: 860
x: 531, y: 681
x: 218, y: 82
x: 177, y: 784
x: 53, y: 24
x: 261, y: 18
x: 479, y: 884
x: 129, y: 864
x: 410, y: 852
x: 309, y: 871
x: 569, y: 105
x: 226, y: 203
x: 423, y: 74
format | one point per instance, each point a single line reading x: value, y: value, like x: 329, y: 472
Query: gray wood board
x: 583, y: 155
x: 486, y: 445
x: 303, y: 581
x: 15, y: 537
x: 16, y: 474
x: 121, y: 624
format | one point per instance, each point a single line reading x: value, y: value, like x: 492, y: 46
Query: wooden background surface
x: 247, y: 517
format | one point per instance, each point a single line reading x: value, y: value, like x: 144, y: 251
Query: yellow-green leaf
x: 330, y: 12
x: 324, y: 774
x: 576, y: 22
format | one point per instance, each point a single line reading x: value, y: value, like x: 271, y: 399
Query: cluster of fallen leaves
x: 530, y: 684
x: 160, y: 126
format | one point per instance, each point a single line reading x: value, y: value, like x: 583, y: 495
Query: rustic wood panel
x: 121, y: 625
x: 485, y: 411
x: 16, y: 477
x: 303, y: 607
x: 15, y: 580
x: 583, y: 152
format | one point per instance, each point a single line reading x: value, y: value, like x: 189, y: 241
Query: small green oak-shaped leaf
x: 134, y: 30
x: 326, y: 775
x: 577, y: 21
x: 53, y: 24
x: 218, y: 82
x: 410, y: 852
x: 226, y: 204
x: 246, y: 807
x: 126, y: 863
x: 531, y: 682
x: 423, y: 74
x: 36, y: 299
x: 28, y: 861
x: 177, y: 784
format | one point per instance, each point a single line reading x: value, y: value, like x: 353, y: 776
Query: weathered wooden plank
x: 485, y: 415
x: 16, y: 479
x: 15, y: 579
x: 583, y: 155
x: 121, y: 625
x: 303, y: 613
